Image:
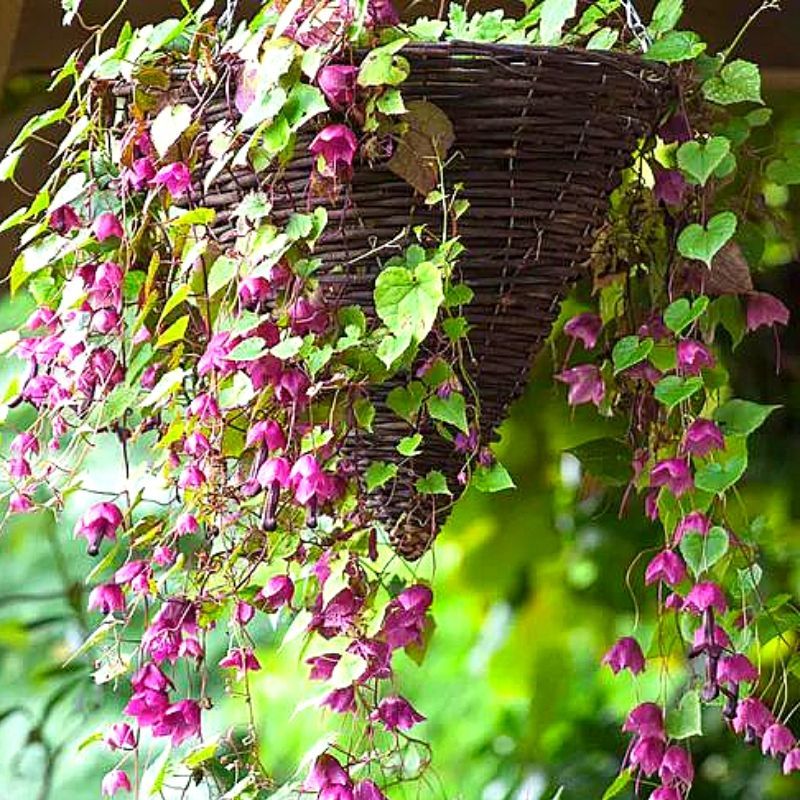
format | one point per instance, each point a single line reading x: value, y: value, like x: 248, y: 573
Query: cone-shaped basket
x: 541, y: 136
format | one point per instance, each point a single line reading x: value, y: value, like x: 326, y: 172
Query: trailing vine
x: 201, y: 345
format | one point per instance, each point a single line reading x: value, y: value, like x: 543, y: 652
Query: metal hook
x: 227, y: 17
x: 636, y: 26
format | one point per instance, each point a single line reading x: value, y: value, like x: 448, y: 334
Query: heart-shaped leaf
x: 630, y: 351
x: 451, y: 409
x: 682, y: 313
x: 408, y: 300
x: 701, y: 552
x: 167, y: 127
x: 716, y: 478
x: 741, y: 417
x: 674, y: 389
x: 686, y: 720
x: 492, y: 479
x: 737, y: 82
x: 699, y: 159
x: 406, y: 401
x: 676, y: 46
x: 702, y: 244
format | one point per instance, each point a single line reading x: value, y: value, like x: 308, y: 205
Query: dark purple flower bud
x: 670, y: 186
x: 765, y: 309
x: 382, y: 13
x: 625, y: 654
x: 676, y: 129
x: 703, y: 596
x: 585, y: 384
x: 254, y: 293
x: 334, y: 147
x: 64, y: 219
x: 693, y: 357
x: 338, y: 84
x: 667, y: 567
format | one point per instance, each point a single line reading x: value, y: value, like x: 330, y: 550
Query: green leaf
x: 785, y: 172
x: 619, y: 784
x: 248, y: 350
x: 674, y: 389
x: 682, y: 313
x: 409, y: 445
x: 433, y: 483
x: 737, y: 82
x: 391, y: 102
x: 458, y: 294
x: 676, y: 46
x: 174, y: 300
x: 717, y: 478
x: 222, y: 272
x: 378, y: 473
x: 699, y: 159
x: 606, y: 458
x: 406, y: 401
x: 392, y: 347
x: 167, y: 384
x: 701, y: 552
x: 174, y: 333
x: 408, y: 301
x: 168, y: 126
x: 629, y: 351
x: 451, y: 409
x: 492, y: 478
x: 201, y: 753
x: 554, y: 15
x: 365, y: 413
x: 304, y: 103
x: 666, y: 16
x: 742, y: 417
x: 287, y: 348
x: 455, y: 328
x: 383, y: 67
x: 685, y: 721
x: 702, y: 244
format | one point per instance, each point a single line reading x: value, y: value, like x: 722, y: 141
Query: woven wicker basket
x: 541, y: 135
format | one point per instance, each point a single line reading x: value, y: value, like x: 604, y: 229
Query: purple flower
x: 752, y: 715
x: 139, y: 174
x: 693, y: 522
x: 586, y: 327
x: 215, y: 357
x: 338, y: 615
x: 647, y: 754
x: 646, y: 721
x: 42, y: 317
x: 367, y: 790
x: 254, y: 293
x: 341, y: 701
x: 396, y: 713
x: 625, y: 654
x: 274, y: 471
x: 307, y: 317
x: 666, y: 793
x: 180, y: 722
x: 164, y: 556
x: 204, y: 407
x: 703, y: 596
x: 64, y: 219
x: 326, y: 771
x: 191, y: 478
x: 792, y: 762
x: 667, y: 567
x: 101, y: 521
x: 736, y: 668
x: 674, y: 473
x: 334, y: 148
x: 150, y: 678
x: 147, y: 706
x: 196, y: 444
x: 278, y: 592
x: 186, y: 524
x: 243, y: 660
x: 105, y: 321
x: 693, y: 357
x: 115, y: 781
x: 676, y: 129
x: 765, y: 309
x: 670, y: 186
x: 778, y: 740
x: 702, y: 437
x: 120, y: 737
x: 307, y: 479
x: 719, y: 638
x: 322, y: 666
x: 382, y: 13
x: 338, y: 84
x: 267, y: 433
x: 107, y: 226
x: 107, y: 598
x: 585, y: 384
x: 175, y: 177
x: 406, y: 616
x: 677, y: 767
x: 243, y: 612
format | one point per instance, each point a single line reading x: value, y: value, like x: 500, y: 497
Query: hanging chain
x: 228, y: 15
x: 636, y: 26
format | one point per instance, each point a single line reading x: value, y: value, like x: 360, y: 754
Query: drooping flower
x: 186, y: 524
x: 150, y: 677
x: 646, y: 721
x: 20, y: 503
x: 718, y: 637
x: 693, y: 357
x: 585, y: 384
x: 267, y: 433
x: 405, y: 618
x: 341, y: 701
x: 163, y: 555
x: 703, y: 437
x: 204, y: 407
x: 676, y: 767
x: 115, y: 781
x: 242, y: 659
x: 277, y: 593
x: 100, y: 521
x: 736, y: 668
x: 670, y: 186
x: 325, y: 771
x: 139, y: 174
x: 196, y: 444
x: 586, y: 327
x: 175, y: 177
x: 382, y: 13
x: 792, y: 762
x: 674, y: 473
x: 120, y: 737
x: 338, y: 615
x: 625, y: 654
x: 322, y: 666
x: 254, y: 292
x: 778, y: 740
x: 666, y: 793
x: 338, y: 84
x: 667, y: 567
x: 180, y: 722
x: 752, y: 716
x: 703, y: 596
x: 367, y: 790
x: 107, y: 598
x: 192, y: 477
x: 215, y: 357
x: 765, y: 309
x: 676, y: 129
x: 693, y: 522
x: 107, y: 226
x: 647, y: 754
x: 63, y: 219
x: 243, y: 612
x: 334, y: 148
x: 396, y: 713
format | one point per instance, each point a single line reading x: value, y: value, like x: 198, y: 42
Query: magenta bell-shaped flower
x: 254, y: 293
x: 242, y: 659
x: 703, y: 596
x: 676, y: 767
x: 120, y: 737
x: 585, y: 384
x: 325, y: 771
x: 765, y: 309
x: 175, y: 177
x: 334, y: 147
x: 107, y: 226
x: 648, y: 755
x: 646, y: 721
x: 115, y: 781
x: 752, y: 717
x: 180, y: 722
x: 736, y: 668
x: 267, y: 433
x: 586, y: 327
x: 693, y: 522
x: 625, y: 654
x: 63, y: 219
x: 792, y: 762
x: 674, y: 473
x: 667, y: 567
x: 338, y: 84
x: 693, y: 357
x: 703, y: 437
x: 666, y: 793
x: 277, y: 593
x: 107, y: 598
x: 100, y: 521
x: 778, y: 740
x: 396, y: 713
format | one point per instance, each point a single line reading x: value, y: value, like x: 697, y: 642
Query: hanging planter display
x: 291, y: 274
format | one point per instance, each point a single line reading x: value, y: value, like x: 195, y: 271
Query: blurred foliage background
x: 530, y: 591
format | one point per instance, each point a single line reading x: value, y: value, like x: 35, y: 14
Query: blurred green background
x: 530, y: 591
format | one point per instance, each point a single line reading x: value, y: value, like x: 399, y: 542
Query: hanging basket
x: 541, y: 136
